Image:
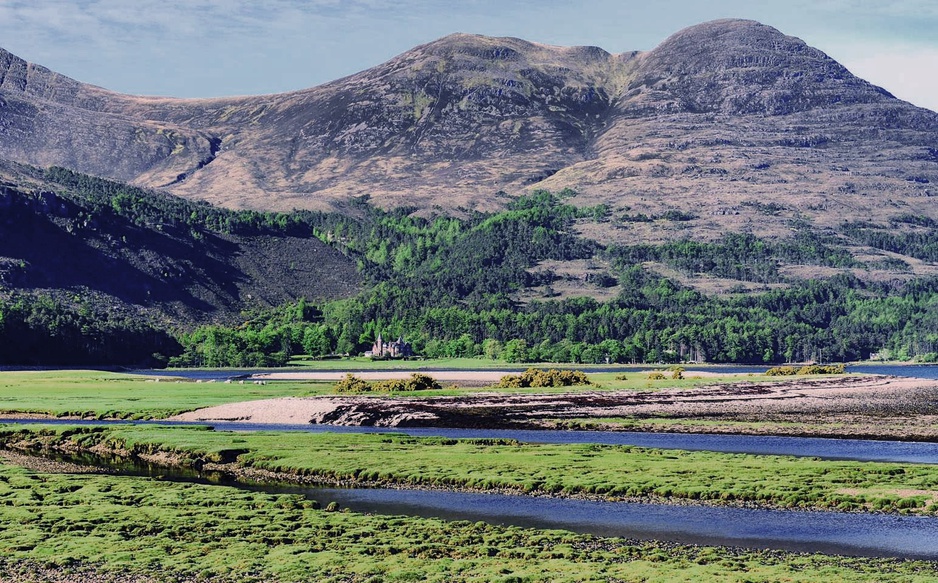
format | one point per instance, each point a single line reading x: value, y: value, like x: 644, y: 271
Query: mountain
x: 719, y: 119
x: 114, y: 248
x: 749, y: 129
x: 419, y: 129
x: 732, y: 195
x: 726, y: 127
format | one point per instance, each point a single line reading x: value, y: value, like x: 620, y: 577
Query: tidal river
x: 829, y: 532
x: 877, y: 535
x: 819, y: 447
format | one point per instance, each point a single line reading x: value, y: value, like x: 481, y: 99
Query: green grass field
x: 362, y: 363
x: 105, y: 394
x: 86, y: 523
x: 82, y: 524
x: 605, y: 471
x: 102, y: 395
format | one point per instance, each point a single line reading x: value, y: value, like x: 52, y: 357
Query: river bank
x: 117, y: 529
x: 869, y: 406
x: 168, y: 531
x: 121, y: 529
x: 583, y: 471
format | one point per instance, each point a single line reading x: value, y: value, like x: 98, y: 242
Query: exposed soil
x: 847, y: 406
x: 45, y: 464
x: 26, y: 571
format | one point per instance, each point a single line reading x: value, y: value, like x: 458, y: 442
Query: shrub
x: 416, y: 382
x: 511, y: 381
x: 806, y: 370
x: 545, y: 378
x: 656, y: 375
x: 822, y: 369
x: 351, y: 384
x: 389, y: 386
x: 422, y: 382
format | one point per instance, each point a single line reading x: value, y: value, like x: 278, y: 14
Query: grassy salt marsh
x: 100, y: 528
x: 118, y: 528
x: 568, y: 470
x: 102, y: 395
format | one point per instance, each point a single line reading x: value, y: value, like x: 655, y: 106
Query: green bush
x: 545, y: 378
x: 656, y: 375
x: 416, y: 382
x: 422, y: 382
x: 821, y: 369
x: 351, y: 384
x: 389, y: 386
x: 806, y: 370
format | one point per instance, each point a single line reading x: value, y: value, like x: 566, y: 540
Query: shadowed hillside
x: 122, y: 248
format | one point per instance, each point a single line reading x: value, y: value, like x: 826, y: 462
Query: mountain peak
x: 477, y: 51
x: 18, y: 76
x: 745, y: 67
x: 717, y: 110
x: 729, y: 43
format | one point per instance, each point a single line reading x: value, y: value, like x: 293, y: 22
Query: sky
x: 210, y: 48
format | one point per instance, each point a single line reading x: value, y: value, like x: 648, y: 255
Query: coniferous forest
x: 452, y: 286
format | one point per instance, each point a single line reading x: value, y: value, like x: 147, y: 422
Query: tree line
x: 449, y: 286
x: 834, y: 320
x: 38, y: 329
x: 453, y: 297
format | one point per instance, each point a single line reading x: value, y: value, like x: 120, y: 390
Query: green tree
x: 516, y: 350
x: 492, y: 349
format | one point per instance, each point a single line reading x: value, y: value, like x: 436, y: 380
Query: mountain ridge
x: 717, y: 115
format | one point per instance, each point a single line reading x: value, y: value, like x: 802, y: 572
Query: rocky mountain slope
x: 731, y: 122
x: 57, y: 238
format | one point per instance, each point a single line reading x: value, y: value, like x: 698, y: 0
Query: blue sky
x: 205, y: 48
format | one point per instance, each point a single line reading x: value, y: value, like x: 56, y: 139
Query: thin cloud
x: 193, y: 48
x: 903, y: 71
x: 894, y: 8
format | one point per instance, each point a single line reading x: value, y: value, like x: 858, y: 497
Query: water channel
x: 874, y: 535
x: 830, y: 532
x: 867, y: 450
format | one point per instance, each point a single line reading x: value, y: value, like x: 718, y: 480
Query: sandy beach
x: 846, y: 405
x: 444, y: 376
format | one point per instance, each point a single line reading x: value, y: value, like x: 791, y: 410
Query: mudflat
x: 841, y: 406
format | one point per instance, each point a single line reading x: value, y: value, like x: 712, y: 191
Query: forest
x: 449, y: 285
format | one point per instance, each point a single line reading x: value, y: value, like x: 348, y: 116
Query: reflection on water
x: 829, y: 532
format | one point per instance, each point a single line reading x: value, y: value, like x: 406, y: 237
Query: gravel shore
x: 854, y: 406
x: 34, y: 572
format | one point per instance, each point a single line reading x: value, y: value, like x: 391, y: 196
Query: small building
x: 394, y: 349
